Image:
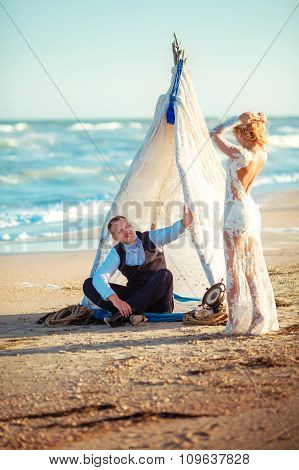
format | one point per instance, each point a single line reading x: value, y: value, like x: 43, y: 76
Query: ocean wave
x: 24, y: 237
x: 284, y: 141
x: 288, y: 129
x: 19, y: 126
x: 9, y: 142
x: 46, y: 173
x: 59, y: 171
x: 100, y: 126
x: 135, y: 125
x: 9, y: 158
x: 80, y: 211
x: 56, y: 213
x: 276, y: 178
x: 35, y: 141
x: 8, y: 221
x: 5, y: 237
x: 10, y: 179
x: 50, y: 234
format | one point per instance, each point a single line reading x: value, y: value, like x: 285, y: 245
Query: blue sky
x: 113, y: 59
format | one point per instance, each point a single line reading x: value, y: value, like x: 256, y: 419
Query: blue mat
x: 100, y: 314
x: 164, y: 317
x: 179, y: 298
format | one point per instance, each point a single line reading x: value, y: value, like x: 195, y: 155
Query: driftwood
x: 178, y: 52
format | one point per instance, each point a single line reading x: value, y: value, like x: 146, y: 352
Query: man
x: 140, y: 258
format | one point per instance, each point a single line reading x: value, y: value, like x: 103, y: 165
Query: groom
x: 139, y: 257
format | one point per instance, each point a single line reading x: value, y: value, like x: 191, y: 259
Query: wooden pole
x: 178, y: 52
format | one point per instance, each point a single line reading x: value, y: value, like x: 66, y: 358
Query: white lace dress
x: 250, y: 296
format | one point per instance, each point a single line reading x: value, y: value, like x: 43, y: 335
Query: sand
x: 155, y: 386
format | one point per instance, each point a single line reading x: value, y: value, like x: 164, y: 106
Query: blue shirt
x: 134, y: 256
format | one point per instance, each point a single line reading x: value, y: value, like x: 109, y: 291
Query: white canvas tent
x: 176, y: 164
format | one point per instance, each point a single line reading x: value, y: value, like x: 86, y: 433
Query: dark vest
x: 154, y: 260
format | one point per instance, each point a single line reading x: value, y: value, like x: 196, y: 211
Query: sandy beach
x: 155, y: 386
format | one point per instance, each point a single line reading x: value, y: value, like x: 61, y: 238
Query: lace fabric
x: 250, y: 296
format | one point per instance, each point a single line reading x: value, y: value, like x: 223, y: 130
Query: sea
x: 52, y: 168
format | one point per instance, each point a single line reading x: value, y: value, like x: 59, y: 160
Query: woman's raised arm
x: 225, y: 146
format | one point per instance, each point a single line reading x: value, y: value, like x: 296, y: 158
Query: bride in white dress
x: 250, y: 296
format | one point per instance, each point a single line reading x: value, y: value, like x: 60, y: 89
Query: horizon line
x: 137, y: 118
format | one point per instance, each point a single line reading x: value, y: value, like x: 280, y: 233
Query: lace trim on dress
x: 250, y: 296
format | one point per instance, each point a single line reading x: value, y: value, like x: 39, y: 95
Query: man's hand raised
x: 187, y: 216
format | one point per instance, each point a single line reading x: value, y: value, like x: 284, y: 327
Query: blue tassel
x: 170, y: 115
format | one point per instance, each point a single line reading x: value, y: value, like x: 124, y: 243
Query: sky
x: 112, y: 59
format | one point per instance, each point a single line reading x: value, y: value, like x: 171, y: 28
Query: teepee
x: 176, y: 164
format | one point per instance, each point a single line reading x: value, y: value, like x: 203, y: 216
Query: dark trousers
x: 154, y: 295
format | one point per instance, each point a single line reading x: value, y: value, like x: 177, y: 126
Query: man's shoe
x: 115, y: 320
x: 137, y: 318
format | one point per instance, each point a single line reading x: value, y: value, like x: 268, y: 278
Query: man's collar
x: 137, y: 243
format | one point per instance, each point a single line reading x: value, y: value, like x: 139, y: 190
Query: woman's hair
x: 256, y: 132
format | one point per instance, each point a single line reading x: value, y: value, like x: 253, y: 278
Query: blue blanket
x: 100, y: 314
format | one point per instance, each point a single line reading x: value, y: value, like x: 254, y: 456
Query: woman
x: 250, y: 296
